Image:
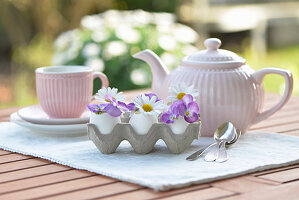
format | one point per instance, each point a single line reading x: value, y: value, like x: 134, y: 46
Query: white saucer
x: 66, y: 130
x: 36, y: 115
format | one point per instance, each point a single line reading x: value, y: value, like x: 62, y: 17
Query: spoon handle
x: 212, y: 155
x: 198, y: 153
x: 222, y: 156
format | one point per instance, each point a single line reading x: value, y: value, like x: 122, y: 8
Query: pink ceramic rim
x: 80, y: 69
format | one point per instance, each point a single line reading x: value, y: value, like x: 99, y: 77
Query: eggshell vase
x: 179, y: 126
x: 104, y: 122
x: 141, y: 123
x: 143, y: 144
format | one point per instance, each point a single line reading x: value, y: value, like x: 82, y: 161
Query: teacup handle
x: 259, y: 77
x: 103, y: 77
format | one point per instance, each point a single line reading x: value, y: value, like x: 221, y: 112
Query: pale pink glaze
x: 229, y: 91
x: 64, y: 91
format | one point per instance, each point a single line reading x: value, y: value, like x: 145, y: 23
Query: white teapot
x: 229, y: 90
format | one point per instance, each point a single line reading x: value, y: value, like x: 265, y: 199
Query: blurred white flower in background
x: 139, y: 77
x: 185, y: 34
x: 164, y: 18
x: 189, y: 49
x: 91, y: 50
x: 64, y: 39
x: 115, y: 48
x: 167, y: 29
x: 128, y: 34
x: 99, y: 35
x: 169, y: 60
x: 106, y: 42
x: 167, y: 42
x: 139, y: 18
x: 59, y: 59
x: 112, y: 18
x: 96, y: 64
x: 73, y: 51
x: 92, y: 22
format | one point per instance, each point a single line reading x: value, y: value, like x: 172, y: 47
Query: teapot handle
x: 259, y: 77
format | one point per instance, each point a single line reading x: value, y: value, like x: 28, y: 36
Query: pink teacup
x: 64, y: 91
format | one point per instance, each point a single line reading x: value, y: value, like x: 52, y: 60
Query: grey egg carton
x: 143, y: 144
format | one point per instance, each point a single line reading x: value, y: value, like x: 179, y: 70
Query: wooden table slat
x: 268, y: 171
x: 3, y: 152
x: 294, y: 133
x: 31, y: 172
x: 43, y: 180
x: 13, y: 157
x: 22, y: 164
x: 146, y: 193
x: 287, y: 191
x: 241, y: 185
x: 207, y: 193
x: 284, y: 114
x: 276, y: 121
x: 92, y: 193
x: 58, y: 188
x: 281, y: 128
x: 283, y: 176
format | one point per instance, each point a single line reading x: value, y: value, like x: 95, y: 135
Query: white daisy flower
x: 148, y: 106
x: 100, y: 95
x: 178, y: 91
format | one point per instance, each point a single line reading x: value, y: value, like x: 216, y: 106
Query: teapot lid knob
x: 212, y: 44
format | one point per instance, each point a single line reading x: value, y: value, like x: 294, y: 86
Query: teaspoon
x: 222, y: 129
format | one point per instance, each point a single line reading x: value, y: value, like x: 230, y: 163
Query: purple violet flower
x: 186, y: 107
x: 96, y: 108
x: 169, y: 117
x: 172, y: 114
x: 112, y: 108
x: 123, y: 106
x: 132, y: 107
x: 189, y: 109
x: 110, y: 99
x: 150, y: 95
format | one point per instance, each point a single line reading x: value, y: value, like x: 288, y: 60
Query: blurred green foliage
x: 28, y: 29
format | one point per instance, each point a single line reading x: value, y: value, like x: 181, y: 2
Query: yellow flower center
x: 108, y: 100
x: 147, y: 107
x: 187, y: 113
x: 181, y: 95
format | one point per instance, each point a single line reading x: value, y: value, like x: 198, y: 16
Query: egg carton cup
x: 143, y: 144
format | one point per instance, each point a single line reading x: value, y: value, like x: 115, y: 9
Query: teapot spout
x: 159, y: 71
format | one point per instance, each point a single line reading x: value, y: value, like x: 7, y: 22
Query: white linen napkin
x: 159, y: 169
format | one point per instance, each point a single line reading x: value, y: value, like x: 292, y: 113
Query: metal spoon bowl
x: 225, y: 132
x: 237, y: 136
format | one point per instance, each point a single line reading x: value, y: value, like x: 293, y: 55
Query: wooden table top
x: 27, y: 177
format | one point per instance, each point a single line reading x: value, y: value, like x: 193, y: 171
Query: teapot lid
x: 213, y: 57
